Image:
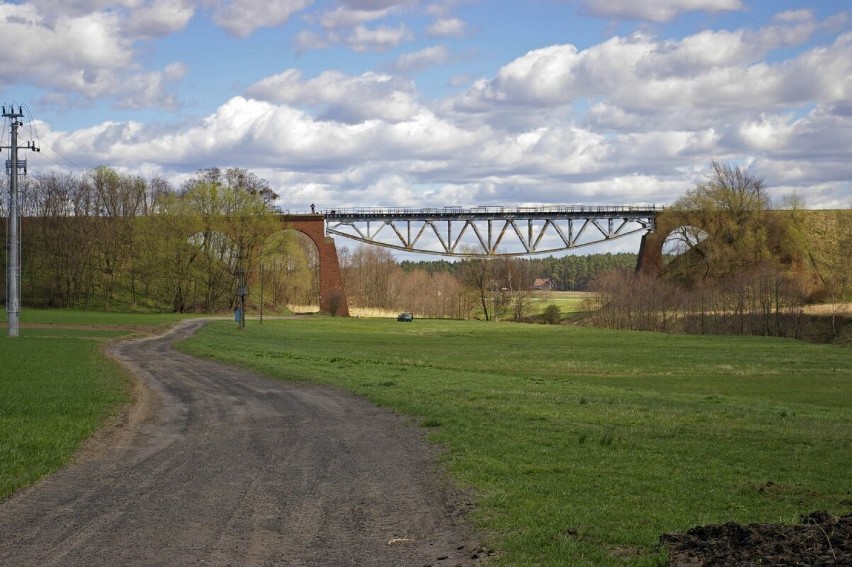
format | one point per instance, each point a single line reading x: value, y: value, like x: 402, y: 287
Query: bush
x: 552, y: 314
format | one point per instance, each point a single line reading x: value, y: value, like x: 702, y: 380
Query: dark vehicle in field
x: 405, y: 317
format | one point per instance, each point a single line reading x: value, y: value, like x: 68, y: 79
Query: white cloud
x: 655, y: 10
x: 137, y: 18
x: 86, y: 55
x: 242, y: 17
x: 160, y: 17
x: 694, y: 81
x: 769, y: 132
x: 307, y: 40
x: 446, y: 27
x: 377, y: 4
x: 423, y: 59
x: 342, y: 17
x: 359, y: 38
x: 89, y: 55
x: 339, y: 97
x: 348, y: 26
x: 381, y: 38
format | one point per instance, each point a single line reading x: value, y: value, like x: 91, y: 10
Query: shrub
x: 552, y: 314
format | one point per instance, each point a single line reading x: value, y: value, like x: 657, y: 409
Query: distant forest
x: 566, y: 273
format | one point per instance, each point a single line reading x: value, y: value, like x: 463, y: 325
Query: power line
x: 70, y: 165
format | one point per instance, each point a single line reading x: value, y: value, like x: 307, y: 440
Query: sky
x: 406, y: 103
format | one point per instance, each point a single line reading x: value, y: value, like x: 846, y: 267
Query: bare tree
x: 477, y: 275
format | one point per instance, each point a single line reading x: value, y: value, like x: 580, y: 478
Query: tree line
x: 565, y: 273
x: 493, y: 288
x: 105, y: 240
x: 738, y: 265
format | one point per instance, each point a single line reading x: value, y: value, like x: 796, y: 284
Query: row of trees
x: 497, y: 288
x: 739, y: 267
x: 105, y: 239
x: 565, y: 273
x: 763, y: 301
x: 374, y: 279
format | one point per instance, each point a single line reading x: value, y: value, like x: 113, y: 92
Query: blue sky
x: 439, y: 103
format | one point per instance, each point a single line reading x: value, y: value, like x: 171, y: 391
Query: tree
x: 477, y: 275
x: 722, y: 224
x: 118, y: 201
x: 235, y: 220
x: 290, y: 268
x: 372, y: 278
x: 170, y: 255
x: 514, y: 281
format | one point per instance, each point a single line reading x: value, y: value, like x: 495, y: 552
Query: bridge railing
x: 376, y: 212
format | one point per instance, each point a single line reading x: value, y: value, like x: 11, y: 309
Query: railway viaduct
x: 475, y: 232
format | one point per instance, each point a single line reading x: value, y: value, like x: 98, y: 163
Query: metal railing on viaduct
x: 489, y: 231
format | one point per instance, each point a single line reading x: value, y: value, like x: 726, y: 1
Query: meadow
x: 57, y: 387
x: 583, y: 446
x: 567, y: 301
x: 579, y: 446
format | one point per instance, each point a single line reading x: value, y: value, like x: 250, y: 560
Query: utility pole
x: 13, y: 238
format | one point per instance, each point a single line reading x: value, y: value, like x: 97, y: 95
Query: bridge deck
x: 491, y: 212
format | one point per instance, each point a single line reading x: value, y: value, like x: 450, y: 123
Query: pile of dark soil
x: 819, y: 539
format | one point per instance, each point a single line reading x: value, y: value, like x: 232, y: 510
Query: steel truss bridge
x: 490, y: 231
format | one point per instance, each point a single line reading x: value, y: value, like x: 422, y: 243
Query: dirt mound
x: 819, y: 539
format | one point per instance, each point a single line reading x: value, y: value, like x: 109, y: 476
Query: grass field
x: 56, y: 387
x: 567, y: 301
x: 70, y: 317
x: 584, y: 445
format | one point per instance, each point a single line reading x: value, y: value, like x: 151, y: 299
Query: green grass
x: 584, y: 445
x: 57, y: 387
x: 567, y: 301
x: 94, y: 318
x: 54, y: 392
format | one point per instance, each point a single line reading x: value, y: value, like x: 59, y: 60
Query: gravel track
x: 215, y: 465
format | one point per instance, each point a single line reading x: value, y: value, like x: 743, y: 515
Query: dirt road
x: 218, y: 466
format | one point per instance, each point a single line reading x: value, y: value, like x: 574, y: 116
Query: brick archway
x: 332, y: 292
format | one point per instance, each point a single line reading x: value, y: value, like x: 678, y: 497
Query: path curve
x: 219, y: 466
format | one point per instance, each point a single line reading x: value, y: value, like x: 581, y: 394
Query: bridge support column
x: 332, y: 293
x: 650, y: 260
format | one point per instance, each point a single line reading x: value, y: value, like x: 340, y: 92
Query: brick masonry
x: 332, y: 292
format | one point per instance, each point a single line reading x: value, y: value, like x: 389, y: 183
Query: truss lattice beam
x: 490, y: 231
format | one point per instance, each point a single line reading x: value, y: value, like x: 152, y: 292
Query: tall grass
x: 584, y: 445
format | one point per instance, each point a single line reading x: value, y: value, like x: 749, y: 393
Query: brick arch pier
x: 331, y: 290
x: 650, y: 261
